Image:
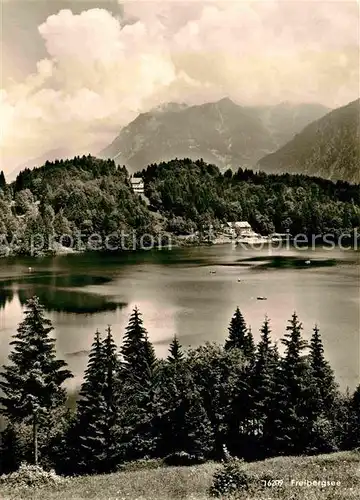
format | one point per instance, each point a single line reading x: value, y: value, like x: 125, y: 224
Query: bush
x: 140, y: 464
x: 230, y: 478
x: 183, y: 458
x: 31, y: 475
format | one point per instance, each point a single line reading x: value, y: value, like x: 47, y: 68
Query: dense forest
x: 237, y: 399
x: 91, y: 196
x: 196, y: 194
x: 84, y: 195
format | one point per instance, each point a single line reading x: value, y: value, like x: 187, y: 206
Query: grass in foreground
x: 192, y: 483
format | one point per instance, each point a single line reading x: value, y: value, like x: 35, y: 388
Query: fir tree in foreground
x: 240, y: 336
x: 141, y: 380
x: 237, y: 332
x: 98, y: 406
x: 296, y: 392
x: 354, y: 420
x: 323, y: 374
x: 263, y: 381
x: 35, y: 375
x: 249, y: 346
x: 32, y: 383
x: 139, y: 359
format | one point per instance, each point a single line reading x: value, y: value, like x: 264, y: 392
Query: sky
x: 74, y: 72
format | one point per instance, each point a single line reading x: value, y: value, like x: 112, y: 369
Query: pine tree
x: 113, y: 397
x: 237, y: 332
x: 184, y: 424
x: 2, y: 180
x: 263, y: 383
x: 353, y: 438
x: 141, y: 387
x: 176, y: 354
x: 198, y: 438
x: 35, y: 377
x: 296, y: 390
x: 98, y: 420
x: 294, y: 346
x: 139, y: 359
x: 112, y: 367
x: 133, y: 346
x: 93, y: 411
x: 249, y: 346
x: 323, y: 374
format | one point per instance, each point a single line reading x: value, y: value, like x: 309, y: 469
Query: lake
x: 192, y: 292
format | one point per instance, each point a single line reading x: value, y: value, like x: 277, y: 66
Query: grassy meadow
x: 192, y: 483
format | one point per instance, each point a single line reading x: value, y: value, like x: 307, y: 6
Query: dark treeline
x: 67, y: 197
x: 89, y: 195
x: 192, y: 194
x: 203, y: 403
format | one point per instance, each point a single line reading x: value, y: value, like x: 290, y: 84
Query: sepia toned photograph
x: 179, y: 250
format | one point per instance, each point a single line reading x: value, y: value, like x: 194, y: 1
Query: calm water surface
x: 191, y: 292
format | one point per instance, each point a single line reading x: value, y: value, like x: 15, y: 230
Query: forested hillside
x: 192, y: 194
x: 329, y: 147
x: 91, y: 196
x: 65, y: 197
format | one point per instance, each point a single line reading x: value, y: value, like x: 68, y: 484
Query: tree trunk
x: 35, y: 438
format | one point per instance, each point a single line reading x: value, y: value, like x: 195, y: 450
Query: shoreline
x: 188, y: 241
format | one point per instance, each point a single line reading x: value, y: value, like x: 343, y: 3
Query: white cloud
x: 101, y: 71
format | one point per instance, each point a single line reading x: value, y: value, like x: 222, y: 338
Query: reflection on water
x: 192, y: 292
x: 5, y: 297
x: 286, y: 262
x: 54, y: 292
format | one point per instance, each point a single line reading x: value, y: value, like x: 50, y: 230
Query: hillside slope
x: 328, y: 148
x: 173, y: 483
x: 222, y: 133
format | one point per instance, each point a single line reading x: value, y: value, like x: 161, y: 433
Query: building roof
x: 136, y: 180
x: 242, y: 224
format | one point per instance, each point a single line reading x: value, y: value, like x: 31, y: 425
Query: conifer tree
x: 93, y: 411
x: 112, y: 366
x: 176, y: 354
x: 2, y: 180
x: 98, y: 406
x: 133, y: 348
x: 113, y: 397
x: 326, y: 402
x: 184, y: 424
x: 297, y: 391
x: 237, y: 332
x: 323, y: 375
x: 249, y: 346
x: 353, y: 439
x: 35, y: 377
x: 263, y: 378
x: 141, y: 389
x: 198, y: 437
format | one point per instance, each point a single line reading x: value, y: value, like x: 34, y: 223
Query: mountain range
x: 222, y: 132
x: 295, y: 138
x: 328, y: 147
